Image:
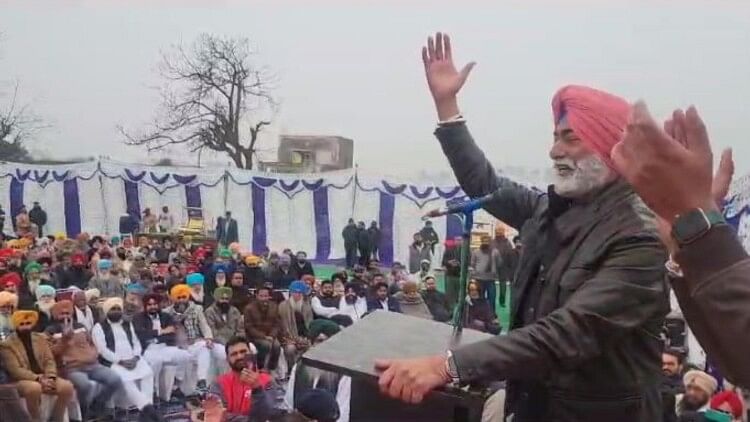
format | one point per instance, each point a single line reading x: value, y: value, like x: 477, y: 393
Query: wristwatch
x: 694, y: 224
x: 450, y: 368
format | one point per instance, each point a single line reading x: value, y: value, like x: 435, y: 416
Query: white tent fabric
x: 299, y: 211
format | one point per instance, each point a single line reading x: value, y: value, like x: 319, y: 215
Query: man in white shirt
x: 166, y: 220
x: 351, y: 307
x: 194, y: 334
x: 119, y: 348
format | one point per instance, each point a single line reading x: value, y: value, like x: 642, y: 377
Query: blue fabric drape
x: 322, y: 224
x: 132, y: 200
x: 385, y: 219
x: 259, y: 218
x: 193, y: 196
x: 72, y: 208
x: 16, y: 199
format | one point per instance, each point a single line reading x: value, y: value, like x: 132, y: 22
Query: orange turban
x: 179, y: 290
x: 20, y: 317
x: 8, y: 299
x: 596, y: 117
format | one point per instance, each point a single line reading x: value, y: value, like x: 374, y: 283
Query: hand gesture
x: 249, y: 377
x: 443, y: 79
x: 670, y: 168
x: 209, y: 343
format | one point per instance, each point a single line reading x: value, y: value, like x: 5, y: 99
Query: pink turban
x: 596, y: 117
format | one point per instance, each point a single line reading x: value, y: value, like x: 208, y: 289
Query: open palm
x: 442, y: 77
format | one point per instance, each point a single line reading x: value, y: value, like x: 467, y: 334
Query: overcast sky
x: 353, y: 68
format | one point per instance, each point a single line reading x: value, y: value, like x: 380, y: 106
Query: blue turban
x: 195, y: 278
x: 104, y: 264
x: 298, y: 287
x: 220, y: 267
x: 136, y: 288
x: 44, y: 290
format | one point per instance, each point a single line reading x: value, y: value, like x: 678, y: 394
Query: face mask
x: 223, y: 306
x: 114, y: 316
x: 221, y: 280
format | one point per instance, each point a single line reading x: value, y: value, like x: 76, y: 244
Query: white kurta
x: 123, y: 351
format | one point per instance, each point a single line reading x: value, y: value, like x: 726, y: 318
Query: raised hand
x: 670, y: 168
x: 443, y: 79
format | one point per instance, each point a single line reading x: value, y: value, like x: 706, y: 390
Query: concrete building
x: 311, y: 154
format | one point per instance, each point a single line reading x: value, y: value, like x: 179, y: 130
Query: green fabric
x: 223, y: 291
x: 324, y: 326
x: 32, y: 266
x: 225, y: 253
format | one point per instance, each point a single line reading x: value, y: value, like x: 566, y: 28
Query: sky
x: 353, y: 69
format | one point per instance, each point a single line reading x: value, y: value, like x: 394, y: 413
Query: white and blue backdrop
x: 301, y: 211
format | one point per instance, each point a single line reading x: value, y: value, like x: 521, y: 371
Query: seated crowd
x: 104, y: 322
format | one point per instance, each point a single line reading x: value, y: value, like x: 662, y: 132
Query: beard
x: 588, y: 175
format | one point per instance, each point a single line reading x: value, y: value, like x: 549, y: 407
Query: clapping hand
x: 671, y: 167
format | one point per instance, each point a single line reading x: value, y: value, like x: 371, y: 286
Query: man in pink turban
x: 588, y: 299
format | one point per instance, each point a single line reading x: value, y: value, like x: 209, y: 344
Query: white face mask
x: 574, y: 179
x: 221, y: 279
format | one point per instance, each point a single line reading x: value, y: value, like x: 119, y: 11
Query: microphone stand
x: 459, y: 312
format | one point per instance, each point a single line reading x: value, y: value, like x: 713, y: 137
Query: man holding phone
x: 243, y: 390
x: 77, y: 356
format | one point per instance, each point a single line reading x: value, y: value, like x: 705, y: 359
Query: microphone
x: 468, y: 206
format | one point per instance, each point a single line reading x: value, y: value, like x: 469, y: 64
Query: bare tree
x: 215, y: 99
x: 17, y: 126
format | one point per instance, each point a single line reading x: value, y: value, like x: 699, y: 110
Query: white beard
x: 589, y: 174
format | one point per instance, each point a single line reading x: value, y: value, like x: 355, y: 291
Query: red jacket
x: 236, y: 394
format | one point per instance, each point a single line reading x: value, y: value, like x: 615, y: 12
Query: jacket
x: 242, y: 403
x: 73, y: 351
x: 714, y: 296
x: 438, y: 305
x: 588, y: 299
x: 373, y: 304
x: 223, y: 330
x: 349, y: 234
x: 260, y: 322
x: 485, y: 264
x: 288, y: 320
x: 226, y: 233
x: 17, y: 362
x: 144, y: 329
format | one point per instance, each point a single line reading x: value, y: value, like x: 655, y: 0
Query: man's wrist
x: 447, y: 108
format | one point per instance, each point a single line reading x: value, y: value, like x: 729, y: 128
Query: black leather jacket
x: 584, y: 343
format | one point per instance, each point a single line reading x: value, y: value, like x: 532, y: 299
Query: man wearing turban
x: 194, y: 333
x: 296, y: 314
x: 120, y: 349
x: 29, y: 361
x: 304, y: 378
x: 8, y: 305
x: 158, y: 334
x: 589, y: 296
x: 45, y: 300
x: 699, y: 387
x: 224, y: 319
x: 73, y: 347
